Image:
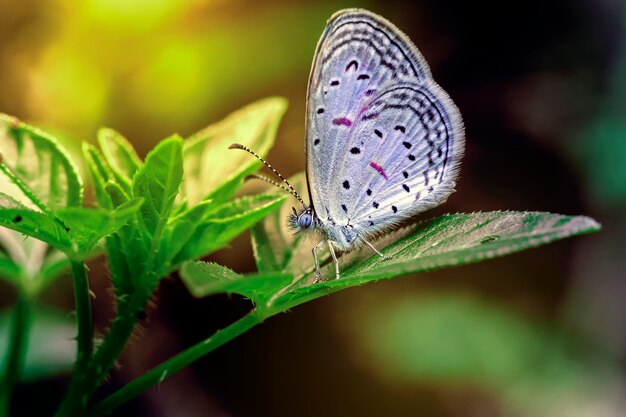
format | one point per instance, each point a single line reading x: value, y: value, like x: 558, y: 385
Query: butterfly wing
x: 358, y: 54
x: 410, y: 141
x: 383, y: 139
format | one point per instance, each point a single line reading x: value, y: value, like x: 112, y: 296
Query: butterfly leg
x: 318, y: 276
x: 334, y: 255
x: 379, y: 253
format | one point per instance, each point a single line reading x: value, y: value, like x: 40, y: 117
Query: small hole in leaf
x: 488, y: 239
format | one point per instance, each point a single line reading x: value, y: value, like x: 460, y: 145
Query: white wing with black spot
x: 373, y: 114
x: 409, y: 142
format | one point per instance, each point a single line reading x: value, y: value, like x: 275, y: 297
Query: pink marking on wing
x: 379, y: 169
x: 342, y: 121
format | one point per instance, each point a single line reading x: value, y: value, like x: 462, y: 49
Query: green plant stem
x: 111, y: 348
x: 85, y: 384
x: 82, y: 299
x: 84, y: 341
x: 16, y: 352
x: 176, y: 363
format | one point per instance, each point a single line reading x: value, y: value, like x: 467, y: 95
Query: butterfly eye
x: 305, y: 220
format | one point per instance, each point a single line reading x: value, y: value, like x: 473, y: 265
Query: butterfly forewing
x: 358, y: 55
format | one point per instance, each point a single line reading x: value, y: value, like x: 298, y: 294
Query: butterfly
x: 383, y: 140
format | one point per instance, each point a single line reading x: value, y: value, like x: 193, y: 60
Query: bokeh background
x: 542, y: 89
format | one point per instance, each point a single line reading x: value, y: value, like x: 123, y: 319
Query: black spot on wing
x: 355, y: 151
x: 346, y: 184
x: 406, y: 188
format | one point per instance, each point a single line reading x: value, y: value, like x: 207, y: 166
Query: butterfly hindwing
x: 410, y: 140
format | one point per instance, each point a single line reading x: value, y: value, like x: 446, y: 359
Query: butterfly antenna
x: 277, y: 184
x: 289, y: 188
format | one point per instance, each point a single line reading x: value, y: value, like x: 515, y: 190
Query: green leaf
x: 100, y: 174
x: 211, y: 169
x: 88, y: 226
x: 120, y: 155
x: 117, y: 194
x: 449, y: 240
x: 41, y: 164
x: 77, y: 233
x: 217, y: 228
x: 51, y: 345
x: 127, y: 250
x: 125, y: 258
x: 158, y: 181
x: 254, y: 287
x: 458, y: 239
x: 38, y: 179
x: 29, y: 263
x: 36, y: 224
x: 180, y: 228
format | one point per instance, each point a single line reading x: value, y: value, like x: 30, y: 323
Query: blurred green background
x: 542, y: 89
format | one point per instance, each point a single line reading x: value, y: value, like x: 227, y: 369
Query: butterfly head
x: 303, y: 220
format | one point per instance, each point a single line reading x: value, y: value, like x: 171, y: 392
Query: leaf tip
x: 281, y: 103
x: 588, y: 224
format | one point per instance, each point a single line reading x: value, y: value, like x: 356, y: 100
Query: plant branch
x: 176, y: 363
x: 16, y: 352
x: 74, y: 402
x: 83, y: 315
x: 85, y: 383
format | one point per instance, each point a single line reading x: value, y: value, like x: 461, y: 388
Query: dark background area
x: 541, y: 87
